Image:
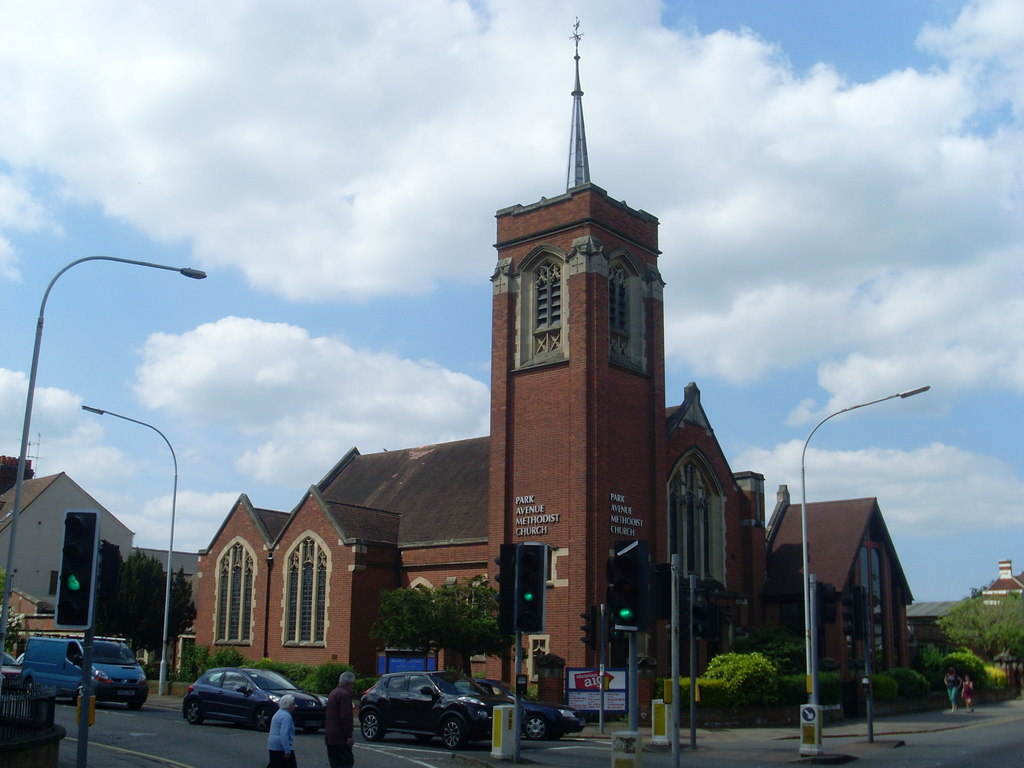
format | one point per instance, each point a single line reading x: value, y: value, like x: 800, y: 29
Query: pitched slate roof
x: 438, y: 491
x: 31, y: 489
x: 835, y: 530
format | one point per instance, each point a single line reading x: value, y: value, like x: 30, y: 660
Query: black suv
x: 428, y: 704
x: 540, y: 719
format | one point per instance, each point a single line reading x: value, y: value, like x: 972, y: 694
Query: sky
x: 839, y: 186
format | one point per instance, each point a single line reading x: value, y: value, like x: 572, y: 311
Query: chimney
x: 1006, y: 569
x: 9, y: 472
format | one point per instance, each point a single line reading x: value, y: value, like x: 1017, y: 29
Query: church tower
x: 577, y: 388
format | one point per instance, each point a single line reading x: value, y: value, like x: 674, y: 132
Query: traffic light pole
x: 602, y: 639
x: 85, y: 700
x: 674, y: 629
x: 693, y: 662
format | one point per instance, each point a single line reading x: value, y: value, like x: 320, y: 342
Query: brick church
x: 582, y: 453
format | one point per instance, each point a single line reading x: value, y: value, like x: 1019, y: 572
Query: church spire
x: 579, y: 165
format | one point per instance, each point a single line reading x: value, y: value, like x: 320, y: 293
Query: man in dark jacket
x: 338, y: 723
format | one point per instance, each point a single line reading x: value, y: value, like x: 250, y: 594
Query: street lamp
x: 170, y: 546
x: 195, y: 274
x: 810, y: 627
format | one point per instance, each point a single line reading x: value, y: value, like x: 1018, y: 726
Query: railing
x: 24, y: 709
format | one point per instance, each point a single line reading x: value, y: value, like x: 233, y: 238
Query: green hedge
x: 883, y: 687
x: 910, y: 684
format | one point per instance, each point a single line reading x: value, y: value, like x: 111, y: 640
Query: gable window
x: 698, y: 509
x: 547, y: 305
x: 234, y: 594
x: 306, y: 593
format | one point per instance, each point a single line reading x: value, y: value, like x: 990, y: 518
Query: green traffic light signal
x: 528, y: 597
x: 625, y: 613
x: 73, y: 583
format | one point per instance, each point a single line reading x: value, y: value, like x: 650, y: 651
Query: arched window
x: 306, y: 593
x: 547, y: 306
x: 697, y: 505
x: 618, y: 310
x: 234, y: 595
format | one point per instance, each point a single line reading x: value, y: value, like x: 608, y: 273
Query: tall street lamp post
x: 810, y: 620
x: 195, y: 274
x: 170, y: 545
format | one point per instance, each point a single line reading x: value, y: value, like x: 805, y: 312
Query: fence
x: 24, y: 709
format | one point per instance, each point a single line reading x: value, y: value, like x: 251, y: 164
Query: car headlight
x: 99, y: 674
x: 567, y: 713
x: 273, y: 697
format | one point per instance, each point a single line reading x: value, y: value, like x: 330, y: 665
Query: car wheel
x: 369, y: 723
x: 453, y: 732
x: 261, y: 718
x: 193, y: 712
x: 535, y: 727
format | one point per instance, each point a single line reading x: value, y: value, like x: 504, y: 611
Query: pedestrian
x: 338, y: 723
x: 967, y: 692
x: 281, y: 741
x: 952, y: 681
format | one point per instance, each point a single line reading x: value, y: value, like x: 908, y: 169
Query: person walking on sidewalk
x: 967, y: 692
x: 338, y: 723
x: 952, y: 681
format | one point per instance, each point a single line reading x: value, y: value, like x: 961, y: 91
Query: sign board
x: 583, y: 689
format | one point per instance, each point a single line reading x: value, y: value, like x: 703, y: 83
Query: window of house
x: 618, y: 310
x: 306, y: 593
x: 235, y: 572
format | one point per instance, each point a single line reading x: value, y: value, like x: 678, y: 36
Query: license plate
x: 126, y: 693
x: 311, y: 723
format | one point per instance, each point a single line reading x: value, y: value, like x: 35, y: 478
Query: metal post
x: 516, y: 725
x: 693, y: 663
x: 674, y: 629
x: 603, y: 638
x: 634, y: 694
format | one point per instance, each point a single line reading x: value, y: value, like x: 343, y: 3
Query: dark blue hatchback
x: 249, y: 696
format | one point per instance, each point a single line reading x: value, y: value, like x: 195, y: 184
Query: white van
x: 56, y: 662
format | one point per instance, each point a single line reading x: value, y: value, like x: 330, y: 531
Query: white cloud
x: 299, y: 402
x: 924, y: 492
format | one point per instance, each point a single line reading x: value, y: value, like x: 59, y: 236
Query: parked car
x: 11, y: 668
x: 539, y: 719
x: 428, y: 704
x: 56, y: 662
x: 249, y: 696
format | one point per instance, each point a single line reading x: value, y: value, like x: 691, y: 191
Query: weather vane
x: 576, y: 36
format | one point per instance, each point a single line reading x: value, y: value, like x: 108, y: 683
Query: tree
x: 988, y: 626
x: 459, y: 617
x: 139, y: 616
x: 13, y: 620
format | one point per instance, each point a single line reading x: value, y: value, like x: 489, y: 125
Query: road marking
x: 136, y: 753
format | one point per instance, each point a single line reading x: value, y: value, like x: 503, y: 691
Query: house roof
x: 835, y: 530
x: 187, y: 561
x: 439, y: 493
x: 31, y: 489
x: 930, y: 610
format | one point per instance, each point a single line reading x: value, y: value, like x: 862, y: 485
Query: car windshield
x: 452, y: 682
x: 8, y: 659
x: 269, y: 681
x: 112, y: 653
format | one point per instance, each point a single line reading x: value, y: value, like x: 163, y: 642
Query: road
x: 159, y: 737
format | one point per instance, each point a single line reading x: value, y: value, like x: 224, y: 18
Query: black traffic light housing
x: 531, y: 585
x: 77, y: 581
x: 628, y: 590
x: 825, y: 597
x: 109, y: 580
x: 506, y: 578
x: 707, y: 622
x: 591, y: 627
x: 854, y: 613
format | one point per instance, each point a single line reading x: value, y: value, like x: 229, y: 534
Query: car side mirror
x: 244, y: 689
x: 426, y: 690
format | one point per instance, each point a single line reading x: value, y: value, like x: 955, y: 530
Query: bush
x: 966, y: 662
x: 883, y: 687
x: 195, y: 659
x: 325, y: 677
x: 792, y: 689
x: 830, y: 688
x: 748, y: 678
x: 997, y: 676
x: 780, y: 646
x: 910, y: 684
x: 226, y: 657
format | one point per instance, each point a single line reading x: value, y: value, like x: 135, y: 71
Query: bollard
x: 503, y: 742
x: 627, y: 749
x: 659, y: 722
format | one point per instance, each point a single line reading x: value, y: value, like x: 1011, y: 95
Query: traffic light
x: 826, y: 601
x: 110, y: 571
x: 506, y: 578
x: 628, y: 595
x: 531, y: 584
x: 706, y: 620
x: 854, y: 623
x: 75, y: 586
x: 661, y: 591
x: 591, y: 627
